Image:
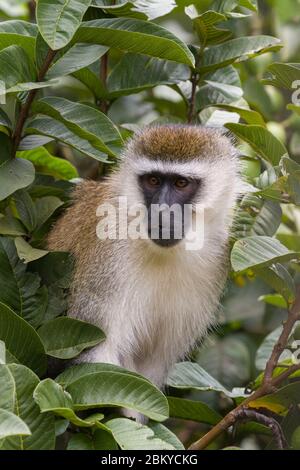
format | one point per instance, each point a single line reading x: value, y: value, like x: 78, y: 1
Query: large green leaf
x: 205, y: 26
x: 50, y: 127
x: 58, y: 20
x: 20, y: 289
x: 66, y: 337
x: 18, y: 33
x: 14, y: 173
x: 12, y: 425
x: 192, y: 410
x: 135, y: 436
x: 134, y: 73
x: 75, y: 58
x: 235, y: 50
x: 136, y: 36
x: 114, y: 388
x: 259, y: 252
x: 283, y: 75
x: 84, y: 121
x: 51, y: 397
x: 189, y: 375
x: 72, y: 374
x: 256, y: 216
x: 4, y: 119
x: 22, y: 340
x: 41, y: 426
x: 47, y: 164
x: 261, y: 140
x: 15, y: 67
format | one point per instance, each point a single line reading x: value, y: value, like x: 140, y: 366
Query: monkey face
x: 167, y: 196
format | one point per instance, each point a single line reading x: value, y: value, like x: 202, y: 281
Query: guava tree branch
x: 269, y: 383
x: 25, y: 109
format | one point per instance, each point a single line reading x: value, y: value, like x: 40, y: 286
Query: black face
x: 163, y: 191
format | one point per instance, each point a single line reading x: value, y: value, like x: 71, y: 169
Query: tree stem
x: 25, y: 109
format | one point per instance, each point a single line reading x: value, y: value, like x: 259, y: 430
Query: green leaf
x: 265, y: 349
x: 41, y: 426
x: 235, y: 50
x: 51, y: 397
x: 18, y: 33
x: 192, y: 410
x: 66, y: 337
x: 91, y: 81
x: 58, y: 20
x: 55, y: 129
x: 283, y: 75
x: 12, y: 425
x: 26, y: 252
x: 279, y: 401
x: 75, y: 58
x: 189, y: 375
x: 47, y: 164
x: 137, y: 8
x: 207, y: 32
x: 11, y: 226
x: 135, y: 436
x: 277, y: 300
x: 248, y: 115
x: 4, y: 119
x: 78, y: 125
x: 72, y: 374
x: 291, y: 170
x: 55, y: 269
x: 256, y: 216
x: 20, y: 289
x: 86, y: 122
x: 15, y: 174
x: 258, y: 252
x: 265, y: 144
x: 22, y: 340
x: 100, y: 440
x: 114, y: 388
x: 141, y: 37
x: 279, y: 278
x: 148, y: 72
x: 15, y: 67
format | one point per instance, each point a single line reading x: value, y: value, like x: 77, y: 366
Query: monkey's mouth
x: 165, y: 237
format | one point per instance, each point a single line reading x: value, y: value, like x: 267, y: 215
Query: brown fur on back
x: 80, y: 218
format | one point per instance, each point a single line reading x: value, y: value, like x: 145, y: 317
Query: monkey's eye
x: 181, y: 183
x: 153, y: 180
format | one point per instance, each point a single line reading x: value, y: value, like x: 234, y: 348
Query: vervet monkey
x: 153, y: 297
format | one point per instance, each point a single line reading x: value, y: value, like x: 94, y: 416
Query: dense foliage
x: 77, y: 78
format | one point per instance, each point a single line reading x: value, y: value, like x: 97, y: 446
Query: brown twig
x: 192, y: 100
x: 24, y: 112
x: 294, y: 315
x: 32, y: 6
x: 268, y: 385
x: 104, y: 105
x: 251, y: 415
